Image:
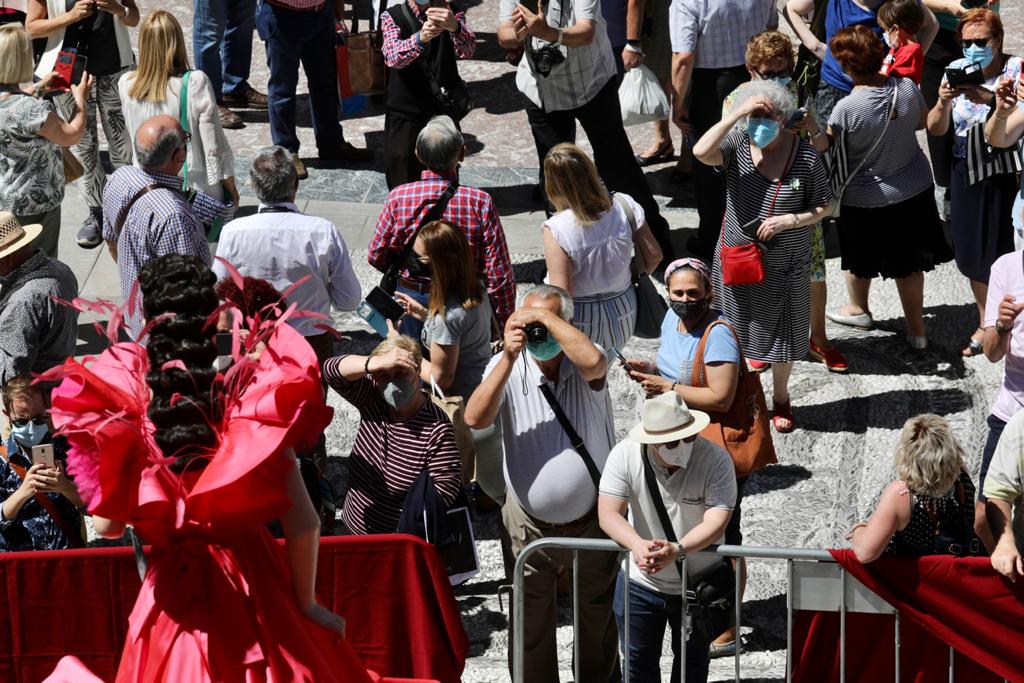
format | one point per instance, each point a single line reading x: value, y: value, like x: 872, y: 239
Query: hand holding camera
x: 443, y: 18
x: 429, y: 31
x: 80, y: 10
x: 80, y: 91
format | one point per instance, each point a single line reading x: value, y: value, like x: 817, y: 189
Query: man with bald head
x: 145, y: 212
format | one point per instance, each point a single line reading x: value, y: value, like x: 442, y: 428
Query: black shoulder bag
x: 712, y: 599
x: 574, y: 438
x: 389, y: 282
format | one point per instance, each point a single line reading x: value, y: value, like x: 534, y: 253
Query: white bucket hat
x: 13, y: 236
x: 666, y: 418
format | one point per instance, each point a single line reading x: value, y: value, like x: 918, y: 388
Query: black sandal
x: 974, y: 347
x: 664, y: 153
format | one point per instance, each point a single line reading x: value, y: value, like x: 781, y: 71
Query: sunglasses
x: 38, y: 421
x: 672, y: 444
x: 773, y: 75
x: 975, y: 42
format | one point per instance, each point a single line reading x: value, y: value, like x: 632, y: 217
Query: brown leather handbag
x: 743, y: 430
x: 366, y: 72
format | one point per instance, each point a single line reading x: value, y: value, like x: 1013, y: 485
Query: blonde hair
x: 400, y: 342
x: 161, y: 56
x: 21, y: 386
x: 571, y: 182
x: 453, y: 274
x: 15, y: 55
x: 928, y: 457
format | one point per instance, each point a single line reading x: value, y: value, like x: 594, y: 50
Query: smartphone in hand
x: 43, y: 455
x: 622, y: 359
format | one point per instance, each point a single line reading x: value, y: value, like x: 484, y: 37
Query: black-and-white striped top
x: 387, y: 457
x: 897, y: 168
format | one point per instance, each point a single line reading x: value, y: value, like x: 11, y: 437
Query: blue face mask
x: 398, y: 392
x: 762, y: 131
x: 545, y: 350
x: 979, y: 55
x: 31, y: 434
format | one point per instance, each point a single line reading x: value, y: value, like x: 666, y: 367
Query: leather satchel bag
x: 455, y: 408
x: 366, y: 71
x: 743, y: 430
x: 650, y: 304
x: 73, y: 169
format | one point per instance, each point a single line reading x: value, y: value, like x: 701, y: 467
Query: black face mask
x: 416, y: 267
x: 690, y: 310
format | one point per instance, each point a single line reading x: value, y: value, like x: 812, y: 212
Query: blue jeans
x: 649, y: 613
x: 222, y: 43
x: 408, y: 325
x: 292, y: 37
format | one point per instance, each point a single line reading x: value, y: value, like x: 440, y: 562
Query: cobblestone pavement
x: 831, y: 469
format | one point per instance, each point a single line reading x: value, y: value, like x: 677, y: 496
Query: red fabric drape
x: 402, y: 616
x: 942, y: 601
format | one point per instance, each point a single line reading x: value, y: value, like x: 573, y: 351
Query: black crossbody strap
x: 390, y: 280
x: 659, y: 504
x: 574, y: 438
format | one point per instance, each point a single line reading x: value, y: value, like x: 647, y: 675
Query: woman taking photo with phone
x: 981, y: 193
x: 93, y: 36
x: 776, y: 188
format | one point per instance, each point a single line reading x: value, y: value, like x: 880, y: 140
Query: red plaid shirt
x: 472, y: 210
x: 399, y: 53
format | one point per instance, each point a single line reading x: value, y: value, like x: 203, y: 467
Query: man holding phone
x: 39, y: 505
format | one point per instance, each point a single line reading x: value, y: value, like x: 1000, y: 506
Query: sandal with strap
x: 974, y: 346
x: 780, y: 413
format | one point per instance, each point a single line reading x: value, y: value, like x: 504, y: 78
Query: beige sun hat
x: 13, y: 235
x: 666, y: 418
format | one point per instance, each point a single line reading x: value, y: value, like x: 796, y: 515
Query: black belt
x: 541, y: 524
x: 422, y: 288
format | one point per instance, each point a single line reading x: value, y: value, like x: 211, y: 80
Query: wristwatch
x: 558, y: 40
x: 127, y: 11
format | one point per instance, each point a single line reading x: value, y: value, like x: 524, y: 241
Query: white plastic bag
x: 642, y: 98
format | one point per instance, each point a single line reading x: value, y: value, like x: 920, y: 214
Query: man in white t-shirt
x: 696, y: 484
x: 550, y: 489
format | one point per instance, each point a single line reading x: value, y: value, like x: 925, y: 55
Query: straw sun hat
x: 14, y: 236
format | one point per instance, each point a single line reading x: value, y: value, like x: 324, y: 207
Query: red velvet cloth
x: 402, y: 617
x: 942, y: 601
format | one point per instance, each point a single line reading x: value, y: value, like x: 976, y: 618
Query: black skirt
x: 981, y: 216
x: 893, y: 241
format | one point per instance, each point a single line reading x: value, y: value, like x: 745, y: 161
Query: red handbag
x: 741, y: 265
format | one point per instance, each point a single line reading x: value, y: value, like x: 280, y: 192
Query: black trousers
x: 401, y: 164
x: 709, y: 88
x: 613, y: 154
x: 944, y: 50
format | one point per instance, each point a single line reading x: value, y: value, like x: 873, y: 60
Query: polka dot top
x: 953, y: 512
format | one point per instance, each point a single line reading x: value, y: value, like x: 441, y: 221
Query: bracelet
x: 366, y: 365
x: 127, y: 11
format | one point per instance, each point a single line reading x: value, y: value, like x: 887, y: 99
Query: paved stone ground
x: 831, y: 469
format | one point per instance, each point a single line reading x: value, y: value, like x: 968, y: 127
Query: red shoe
x: 758, y: 365
x: 783, y: 411
x: 833, y: 358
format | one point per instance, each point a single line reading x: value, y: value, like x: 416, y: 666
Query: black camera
x: 536, y: 333
x: 545, y: 58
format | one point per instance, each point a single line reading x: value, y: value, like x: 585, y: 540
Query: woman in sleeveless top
x: 929, y: 509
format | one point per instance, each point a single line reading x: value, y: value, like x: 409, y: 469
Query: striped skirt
x: 607, y: 319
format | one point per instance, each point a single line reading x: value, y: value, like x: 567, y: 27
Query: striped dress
x: 771, y: 318
x: 387, y: 457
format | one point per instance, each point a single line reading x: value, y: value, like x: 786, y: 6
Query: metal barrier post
x: 576, y: 613
x: 625, y: 615
x: 683, y: 630
x: 842, y: 625
x: 789, y: 621
x: 951, y: 664
x: 896, y: 618
x: 737, y: 640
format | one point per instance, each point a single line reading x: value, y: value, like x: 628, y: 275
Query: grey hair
x: 160, y: 152
x: 547, y: 291
x: 782, y: 100
x: 439, y: 143
x: 273, y: 175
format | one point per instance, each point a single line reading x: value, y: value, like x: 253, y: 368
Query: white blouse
x: 601, y: 251
x: 210, y: 159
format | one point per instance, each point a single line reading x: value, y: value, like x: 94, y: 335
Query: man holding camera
x: 422, y: 40
x: 558, y: 385
x: 567, y: 73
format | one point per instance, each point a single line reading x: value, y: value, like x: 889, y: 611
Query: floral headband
x: 694, y: 263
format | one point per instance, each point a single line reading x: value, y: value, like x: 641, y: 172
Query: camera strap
x: 574, y: 438
x: 654, y: 491
x: 390, y: 280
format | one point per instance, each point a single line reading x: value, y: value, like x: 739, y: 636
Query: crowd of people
x: 465, y: 386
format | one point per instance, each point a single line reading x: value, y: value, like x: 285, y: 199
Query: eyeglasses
x: 38, y: 420
x: 690, y: 439
x: 975, y: 42
x: 773, y: 75
x: 186, y: 139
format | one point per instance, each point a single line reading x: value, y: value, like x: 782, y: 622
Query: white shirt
x: 708, y: 481
x: 285, y: 247
x: 585, y: 70
x: 601, y: 251
x: 542, y: 469
x: 210, y: 158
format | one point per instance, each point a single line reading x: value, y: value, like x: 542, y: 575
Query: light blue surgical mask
x: 398, y: 392
x: 762, y: 131
x: 422, y: 3
x: 31, y: 434
x: 887, y: 37
x: 545, y: 350
x: 979, y: 55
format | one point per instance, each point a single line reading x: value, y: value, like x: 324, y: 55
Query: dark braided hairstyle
x: 182, y: 286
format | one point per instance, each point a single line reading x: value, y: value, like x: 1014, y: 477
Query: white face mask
x: 678, y: 456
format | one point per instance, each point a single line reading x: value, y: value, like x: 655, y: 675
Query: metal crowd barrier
x: 814, y: 582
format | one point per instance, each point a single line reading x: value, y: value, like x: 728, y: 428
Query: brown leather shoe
x: 250, y: 99
x: 228, y: 118
x: 300, y: 168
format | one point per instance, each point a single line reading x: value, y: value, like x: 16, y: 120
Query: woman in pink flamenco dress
x: 198, y: 463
